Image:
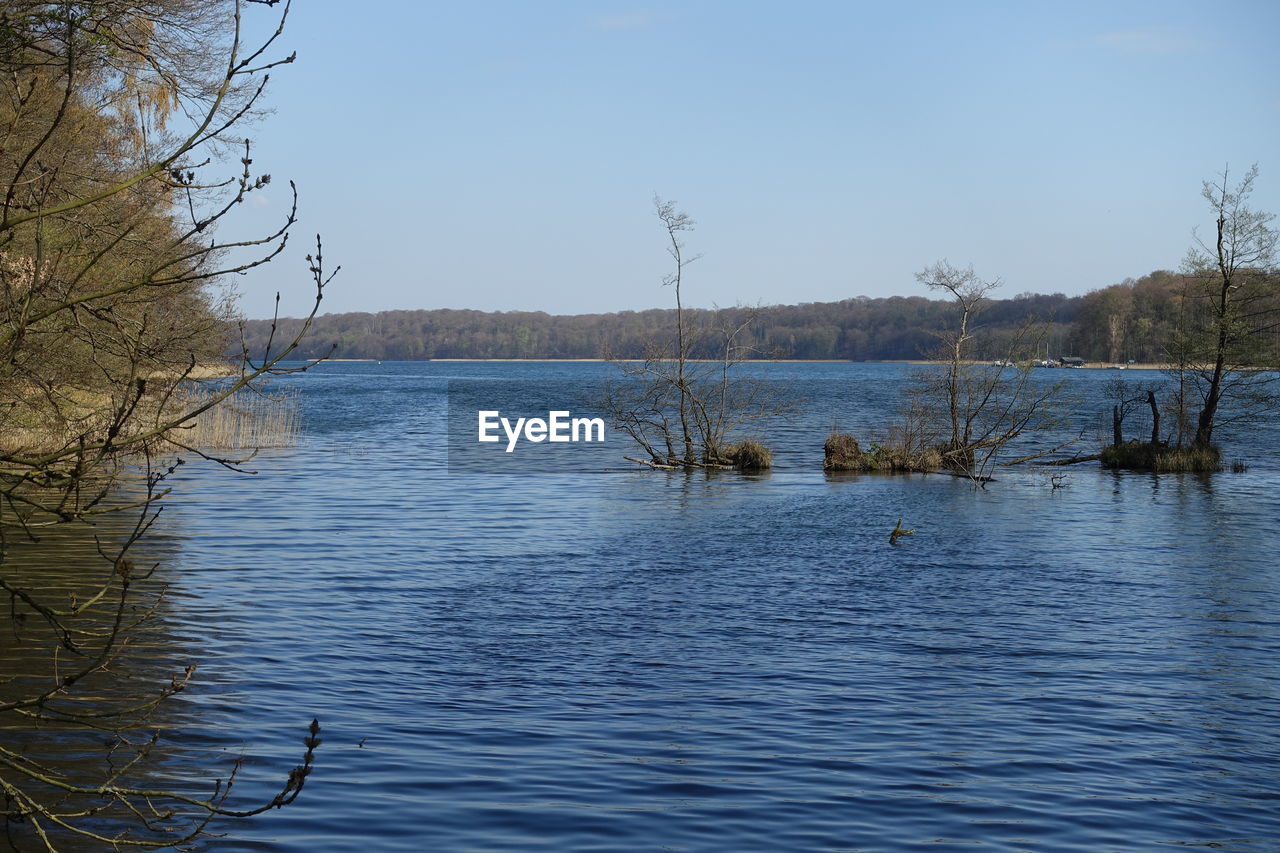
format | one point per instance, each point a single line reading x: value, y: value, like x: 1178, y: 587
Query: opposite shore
x: 1097, y: 366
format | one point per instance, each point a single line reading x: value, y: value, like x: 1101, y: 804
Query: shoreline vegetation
x: 201, y: 370
x: 126, y: 157
x: 1131, y: 321
x: 245, y: 421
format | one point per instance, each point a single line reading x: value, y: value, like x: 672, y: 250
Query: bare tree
x: 680, y: 411
x: 971, y: 410
x: 120, y: 155
x: 970, y: 296
x: 1128, y: 397
x: 675, y: 222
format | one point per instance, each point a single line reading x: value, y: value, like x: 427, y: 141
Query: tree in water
x: 959, y: 413
x: 681, y: 402
x: 1225, y: 350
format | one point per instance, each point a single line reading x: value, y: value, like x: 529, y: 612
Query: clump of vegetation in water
x: 749, y: 455
x: 958, y: 414
x: 841, y: 452
x: 1160, y: 457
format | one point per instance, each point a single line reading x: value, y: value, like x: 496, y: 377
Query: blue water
x: 645, y: 661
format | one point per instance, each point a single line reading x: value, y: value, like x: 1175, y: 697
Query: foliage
x: 1130, y: 321
x: 117, y: 166
x: 1222, y: 343
x: 859, y: 329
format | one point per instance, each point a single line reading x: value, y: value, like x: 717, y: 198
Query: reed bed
x: 247, y: 420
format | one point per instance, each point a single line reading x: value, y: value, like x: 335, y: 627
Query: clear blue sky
x: 504, y: 155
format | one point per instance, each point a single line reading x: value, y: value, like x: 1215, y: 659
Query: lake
x: 639, y: 660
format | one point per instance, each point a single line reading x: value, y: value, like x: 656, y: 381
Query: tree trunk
x: 681, y: 356
x: 1155, y: 417
x: 686, y: 435
x: 1204, y: 424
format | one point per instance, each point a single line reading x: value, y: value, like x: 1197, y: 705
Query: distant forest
x: 1127, y: 321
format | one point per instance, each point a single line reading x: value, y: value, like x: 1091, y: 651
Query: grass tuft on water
x: 750, y: 455
x: 841, y: 452
x: 1161, y: 458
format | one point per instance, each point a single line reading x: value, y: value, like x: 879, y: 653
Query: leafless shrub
x: 680, y: 411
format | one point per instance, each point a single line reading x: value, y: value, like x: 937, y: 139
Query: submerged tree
x: 1224, y: 348
x: 680, y: 410
x: 120, y: 155
x: 1225, y: 352
x: 961, y: 413
x: 1126, y: 398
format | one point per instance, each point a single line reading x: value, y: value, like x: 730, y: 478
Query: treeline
x: 1136, y: 320
x: 1122, y: 322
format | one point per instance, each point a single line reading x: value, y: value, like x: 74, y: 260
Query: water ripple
x: 640, y: 662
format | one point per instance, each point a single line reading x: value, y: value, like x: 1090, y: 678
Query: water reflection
x: 102, y: 660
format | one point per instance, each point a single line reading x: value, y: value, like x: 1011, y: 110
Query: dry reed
x: 750, y: 455
x: 246, y: 420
